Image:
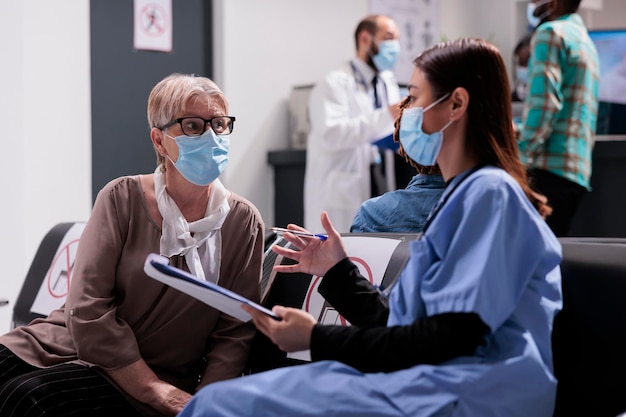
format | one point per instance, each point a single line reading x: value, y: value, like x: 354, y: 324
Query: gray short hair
x: 172, y: 94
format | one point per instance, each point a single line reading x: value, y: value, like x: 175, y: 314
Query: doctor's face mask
x: 387, y: 56
x: 421, y: 147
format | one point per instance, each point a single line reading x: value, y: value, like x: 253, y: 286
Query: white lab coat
x: 344, y: 124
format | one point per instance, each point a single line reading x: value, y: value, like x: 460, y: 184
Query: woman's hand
x: 314, y: 256
x: 291, y: 334
x: 141, y: 383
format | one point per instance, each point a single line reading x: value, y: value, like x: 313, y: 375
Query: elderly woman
x: 124, y: 344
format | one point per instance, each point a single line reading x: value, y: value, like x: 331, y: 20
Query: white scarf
x: 181, y: 238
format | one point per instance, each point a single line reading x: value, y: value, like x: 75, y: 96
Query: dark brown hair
x: 477, y: 66
x: 368, y: 24
x: 570, y: 6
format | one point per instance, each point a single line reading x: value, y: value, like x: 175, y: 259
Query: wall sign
x: 418, y: 21
x: 153, y: 25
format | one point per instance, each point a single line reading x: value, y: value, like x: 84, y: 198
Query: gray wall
x: 122, y: 77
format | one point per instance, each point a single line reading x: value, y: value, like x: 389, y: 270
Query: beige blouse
x: 115, y: 314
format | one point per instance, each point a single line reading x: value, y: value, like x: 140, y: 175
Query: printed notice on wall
x: 153, y: 25
x: 418, y: 21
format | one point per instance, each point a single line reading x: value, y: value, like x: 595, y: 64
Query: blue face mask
x: 533, y: 20
x: 387, y: 56
x: 421, y: 147
x: 201, y: 159
x: 521, y: 74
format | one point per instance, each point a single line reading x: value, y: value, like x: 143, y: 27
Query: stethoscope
x: 360, y: 79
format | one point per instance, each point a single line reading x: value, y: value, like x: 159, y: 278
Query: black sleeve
x: 432, y: 340
x: 353, y: 296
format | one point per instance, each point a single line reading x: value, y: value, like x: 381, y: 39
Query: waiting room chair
x: 589, y: 336
x: 48, y: 278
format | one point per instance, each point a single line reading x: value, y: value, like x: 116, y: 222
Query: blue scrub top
x: 487, y: 251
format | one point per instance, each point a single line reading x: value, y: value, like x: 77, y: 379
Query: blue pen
x: 382, y: 290
x: 280, y: 231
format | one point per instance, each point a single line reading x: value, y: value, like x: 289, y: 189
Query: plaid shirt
x: 560, y: 111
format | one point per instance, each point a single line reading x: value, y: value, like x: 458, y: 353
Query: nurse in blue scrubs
x: 466, y: 329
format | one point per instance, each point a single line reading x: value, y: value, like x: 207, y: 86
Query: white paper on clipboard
x: 158, y: 268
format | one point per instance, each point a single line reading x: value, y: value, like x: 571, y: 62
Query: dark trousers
x: 563, y: 195
x: 59, y: 391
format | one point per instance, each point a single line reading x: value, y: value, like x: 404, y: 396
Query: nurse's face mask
x: 421, y: 147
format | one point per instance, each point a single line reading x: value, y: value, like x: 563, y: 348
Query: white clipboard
x: 226, y: 301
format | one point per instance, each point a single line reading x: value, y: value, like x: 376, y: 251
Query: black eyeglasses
x: 196, y: 126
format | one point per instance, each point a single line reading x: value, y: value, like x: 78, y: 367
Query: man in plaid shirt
x: 560, y: 111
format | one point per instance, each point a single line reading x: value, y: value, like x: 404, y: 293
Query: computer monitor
x: 611, y: 46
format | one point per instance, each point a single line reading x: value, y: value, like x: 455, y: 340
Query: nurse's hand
x: 314, y: 256
x: 291, y: 334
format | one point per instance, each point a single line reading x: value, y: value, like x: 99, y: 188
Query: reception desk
x: 602, y: 212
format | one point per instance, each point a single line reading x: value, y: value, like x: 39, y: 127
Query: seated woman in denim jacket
x: 404, y: 210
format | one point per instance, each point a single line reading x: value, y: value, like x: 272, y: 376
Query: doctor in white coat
x: 348, y: 112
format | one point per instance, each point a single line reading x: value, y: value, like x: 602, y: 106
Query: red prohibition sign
x: 64, y: 255
x: 316, y: 279
x: 153, y: 21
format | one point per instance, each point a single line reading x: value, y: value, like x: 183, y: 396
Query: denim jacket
x: 400, y: 211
